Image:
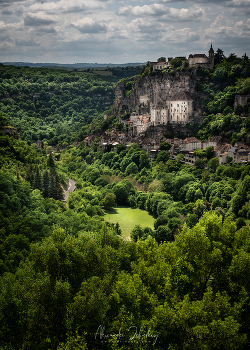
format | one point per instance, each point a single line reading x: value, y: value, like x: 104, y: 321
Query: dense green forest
x: 69, y: 280
x: 57, y: 106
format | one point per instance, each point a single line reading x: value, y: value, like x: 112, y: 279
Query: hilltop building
x: 198, y: 60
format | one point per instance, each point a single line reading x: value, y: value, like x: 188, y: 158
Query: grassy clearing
x: 128, y: 218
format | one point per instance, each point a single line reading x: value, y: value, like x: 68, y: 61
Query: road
x: 70, y: 188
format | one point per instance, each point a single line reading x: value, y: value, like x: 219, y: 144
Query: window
x: 177, y: 105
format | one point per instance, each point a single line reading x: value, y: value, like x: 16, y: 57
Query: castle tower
x: 211, y: 56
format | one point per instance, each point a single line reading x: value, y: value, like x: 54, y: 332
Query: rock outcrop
x: 159, y: 87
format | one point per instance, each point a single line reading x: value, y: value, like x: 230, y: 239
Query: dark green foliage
x: 238, y: 109
x: 165, y: 146
x: 163, y: 234
x: 3, y: 120
x: 176, y: 62
x: 42, y: 96
x: 163, y: 156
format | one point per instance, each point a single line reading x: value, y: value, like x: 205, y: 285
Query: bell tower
x: 211, y: 56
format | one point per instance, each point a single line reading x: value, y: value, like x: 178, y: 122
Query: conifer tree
x: 37, y: 183
x: 58, y: 188
x: 29, y: 176
x: 51, y: 184
x: 50, y: 161
x: 46, y: 184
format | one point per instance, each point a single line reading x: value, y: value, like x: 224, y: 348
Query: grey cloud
x: 7, y: 12
x: 194, y: 37
x: 164, y: 13
x: 9, y: 2
x: 196, y: 1
x: 42, y: 30
x: 90, y: 26
x: 27, y: 43
x: 150, y: 10
x: 33, y: 20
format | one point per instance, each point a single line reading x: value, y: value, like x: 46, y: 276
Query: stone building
x: 241, y: 100
x: 198, y: 60
x: 201, y: 60
x: 160, y: 65
x: 179, y: 109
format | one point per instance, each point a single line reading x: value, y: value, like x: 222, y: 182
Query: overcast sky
x: 109, y: 31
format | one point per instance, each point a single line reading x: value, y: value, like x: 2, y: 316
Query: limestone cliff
x: 160, y: 87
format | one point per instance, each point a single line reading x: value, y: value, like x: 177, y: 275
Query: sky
x: 113, y: 31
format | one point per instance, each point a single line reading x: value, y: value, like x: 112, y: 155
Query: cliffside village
x: 239, y: 153
x: 177, y: 109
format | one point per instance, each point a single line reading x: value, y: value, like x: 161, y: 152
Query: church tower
x: 211, y: 56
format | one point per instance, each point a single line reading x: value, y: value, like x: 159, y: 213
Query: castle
x: 198, y: 60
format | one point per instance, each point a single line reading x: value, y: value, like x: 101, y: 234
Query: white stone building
x: 181, y: 108
x: 178, y: 110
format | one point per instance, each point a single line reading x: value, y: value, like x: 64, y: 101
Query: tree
x: 136, y: 233
x: 200, y: 163
x: 209, y: 151
x: 161, y: 59
x: 50, y: 161
x: 238, y: 109
x: 132, y: 168
x: 163, y: 156
x: 46, y: 184
x: 109, y: 201
x: 176, y: 62
x: 165, y: 146
x: 213, y: 164
x: 3, y: 120
x: 38, y: 180
x: 163, y: 233
x: 218, y: 56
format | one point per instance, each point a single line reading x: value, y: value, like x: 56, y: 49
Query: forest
x: 57, y: 106
x: 70, y: 280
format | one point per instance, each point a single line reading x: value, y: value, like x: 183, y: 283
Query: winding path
x: 70, y: 188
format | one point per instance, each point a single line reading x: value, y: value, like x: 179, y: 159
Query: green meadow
x: 128, y: 218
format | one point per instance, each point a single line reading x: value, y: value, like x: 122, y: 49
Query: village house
x: 39, y: 144
x: 160, y: 65
x: 190, y: 144
x: 212, y: 141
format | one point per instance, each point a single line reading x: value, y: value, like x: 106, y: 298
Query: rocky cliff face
x: 159, y: 87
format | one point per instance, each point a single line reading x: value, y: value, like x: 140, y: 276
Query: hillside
x: 219, y: 95
x: 57, y: 106
x: 68, y: 278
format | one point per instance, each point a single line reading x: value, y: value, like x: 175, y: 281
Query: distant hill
x: 74, y: 65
